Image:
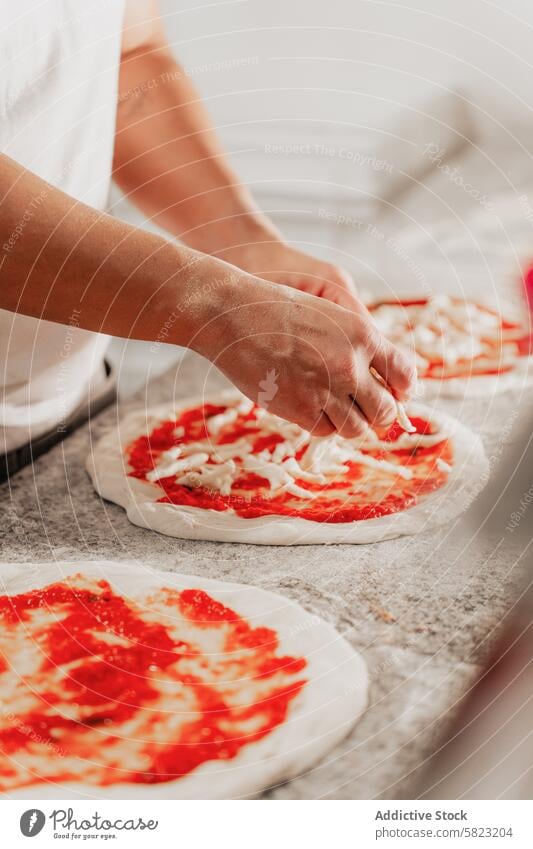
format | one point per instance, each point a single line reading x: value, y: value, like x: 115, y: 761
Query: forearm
x: 169, y: 161
x: 59, y: 258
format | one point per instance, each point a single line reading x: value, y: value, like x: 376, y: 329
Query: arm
x: 58, y: 256
x: 169, y: 161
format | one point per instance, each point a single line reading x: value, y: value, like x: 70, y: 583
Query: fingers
x: 323, y: 426
x: 349, y: 299
x: 345, y: 415
x: 308, y: 416
x: 395, y: 367
x: 343, y: 291
x: 375, y: 401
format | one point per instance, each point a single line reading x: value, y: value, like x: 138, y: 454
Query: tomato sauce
x: 359, y: 494
x: 103, y: 663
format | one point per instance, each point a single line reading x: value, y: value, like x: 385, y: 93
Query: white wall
x: 358, y: 81
x: 353, y: 60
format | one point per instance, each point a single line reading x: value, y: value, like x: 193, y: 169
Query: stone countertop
x: 422, y: 610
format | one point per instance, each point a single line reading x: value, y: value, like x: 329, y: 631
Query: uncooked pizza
x: 119, y: 681
x: 222, y: 468
x: 462, y: 348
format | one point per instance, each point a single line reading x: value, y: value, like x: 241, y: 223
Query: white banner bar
x: 268, y: 825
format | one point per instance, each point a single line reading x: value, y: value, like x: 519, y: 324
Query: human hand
x: 314, y: 354
x: 274, y: 260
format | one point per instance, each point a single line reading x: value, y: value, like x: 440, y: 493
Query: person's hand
x: 273, y: 259
x: 304, y: 359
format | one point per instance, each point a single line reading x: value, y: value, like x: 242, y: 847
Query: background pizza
x: 462, y: 347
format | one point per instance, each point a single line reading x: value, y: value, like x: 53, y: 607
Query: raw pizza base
x: 107, y: 468
x: 319, y: 717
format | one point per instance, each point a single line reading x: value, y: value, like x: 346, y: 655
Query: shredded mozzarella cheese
x: 205, y: 464
x: 443, y: 329
x: 219, y: 478
x: 382, y: 465
x: 403, y: 419
x: 401, y: 415
x: 195, y: 461
x: 216, y: 423
x: 294, y: 469
x: 231, y: 450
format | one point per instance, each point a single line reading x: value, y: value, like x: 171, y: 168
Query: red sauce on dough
x: 102, y: 665
x: 359, y: 494
x: 437, y: 369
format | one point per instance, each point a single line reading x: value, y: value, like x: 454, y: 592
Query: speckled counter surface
x: 421, y: 610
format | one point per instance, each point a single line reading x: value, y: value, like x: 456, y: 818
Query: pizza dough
x: 188, y: 490
x: 117, y: 678
x: 463, y: 349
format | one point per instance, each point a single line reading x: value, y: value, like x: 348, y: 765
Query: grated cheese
x: 403, y: 419
x: 401, y: 415
x: 444, y: 329
x: 195, y: 461
x: 219, y: 477
x: 216, y: 423
x: 217, y: 467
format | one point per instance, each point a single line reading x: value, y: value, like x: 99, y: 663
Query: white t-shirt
x: 58, y: 90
